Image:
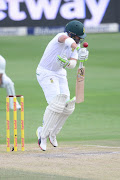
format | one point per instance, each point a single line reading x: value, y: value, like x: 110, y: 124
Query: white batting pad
x: 52, y: 113
x: 68, y: 110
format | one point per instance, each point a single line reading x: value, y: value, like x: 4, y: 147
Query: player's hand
x: 83, y: 54
x: 63, y: 62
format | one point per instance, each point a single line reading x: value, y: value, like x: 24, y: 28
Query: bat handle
x: 81, y: 65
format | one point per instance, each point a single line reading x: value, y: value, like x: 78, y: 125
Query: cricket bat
x: 80, y: 83
x: 80, y: 80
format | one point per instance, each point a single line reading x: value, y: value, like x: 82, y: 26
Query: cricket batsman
x: 6, y: 82
x: 62, y: 52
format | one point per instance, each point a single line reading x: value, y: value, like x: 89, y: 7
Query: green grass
x: 98, y: 118
x: 17, y: 174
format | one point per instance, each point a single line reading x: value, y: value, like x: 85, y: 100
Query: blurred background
x: 23, y: 17
x: 26, y: 27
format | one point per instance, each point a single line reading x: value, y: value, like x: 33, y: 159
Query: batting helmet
x: 76, y: 28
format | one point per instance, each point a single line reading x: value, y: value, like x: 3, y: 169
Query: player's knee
x: 70, y: 106
x: 52, y: 97
x: 58, y: 103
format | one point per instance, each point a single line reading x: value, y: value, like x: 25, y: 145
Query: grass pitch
x: 98, y: 118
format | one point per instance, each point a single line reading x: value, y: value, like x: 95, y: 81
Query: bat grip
x: 81, y: 65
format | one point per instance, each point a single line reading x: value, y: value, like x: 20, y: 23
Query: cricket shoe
x: 43, y: 144
x: 53, y: 140
x: 17, y: 105
x: 38, y: 133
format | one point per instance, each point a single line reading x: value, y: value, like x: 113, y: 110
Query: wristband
x: 78, y: 48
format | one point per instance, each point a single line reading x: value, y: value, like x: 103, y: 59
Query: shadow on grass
x: 6, y: 174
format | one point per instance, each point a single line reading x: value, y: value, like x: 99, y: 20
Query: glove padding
x: 63, y: 62
x: 83, y: 54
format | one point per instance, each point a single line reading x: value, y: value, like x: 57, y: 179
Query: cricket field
x: 89, y: 143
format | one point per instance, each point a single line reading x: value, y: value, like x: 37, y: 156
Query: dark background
x: 112, y: 15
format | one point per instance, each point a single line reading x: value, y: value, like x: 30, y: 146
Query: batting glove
x: 83, y: 54
x: 63, y: 62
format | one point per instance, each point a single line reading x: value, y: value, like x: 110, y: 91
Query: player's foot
x: 38, y: 133
x: 18, y: 106
x: 53, y: 141
x: 43, y: 144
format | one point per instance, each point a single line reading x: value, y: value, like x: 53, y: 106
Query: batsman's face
x: 77, y: 39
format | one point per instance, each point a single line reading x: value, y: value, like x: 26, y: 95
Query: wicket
x: 15, y: 122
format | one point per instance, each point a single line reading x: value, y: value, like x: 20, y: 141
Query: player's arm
x: 71, y: 63
x: 67, y: 63
x: 82, y: 53
x: 68, y: 41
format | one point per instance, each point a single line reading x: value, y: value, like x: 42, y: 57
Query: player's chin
x: 77, y: 42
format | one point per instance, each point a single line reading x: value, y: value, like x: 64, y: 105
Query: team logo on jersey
x: 51, y: 80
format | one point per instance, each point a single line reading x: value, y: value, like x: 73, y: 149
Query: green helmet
x: 76, y: 28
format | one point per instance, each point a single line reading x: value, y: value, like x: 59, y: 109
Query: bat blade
x: 80, y: 85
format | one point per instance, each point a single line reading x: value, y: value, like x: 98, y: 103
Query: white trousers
x: 52, y: 84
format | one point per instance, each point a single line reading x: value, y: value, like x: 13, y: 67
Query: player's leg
x: 51, y: 116
x: 68, y: 110
x: 9, y: 85
x: 50, y: 86
x: 64, y: 88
